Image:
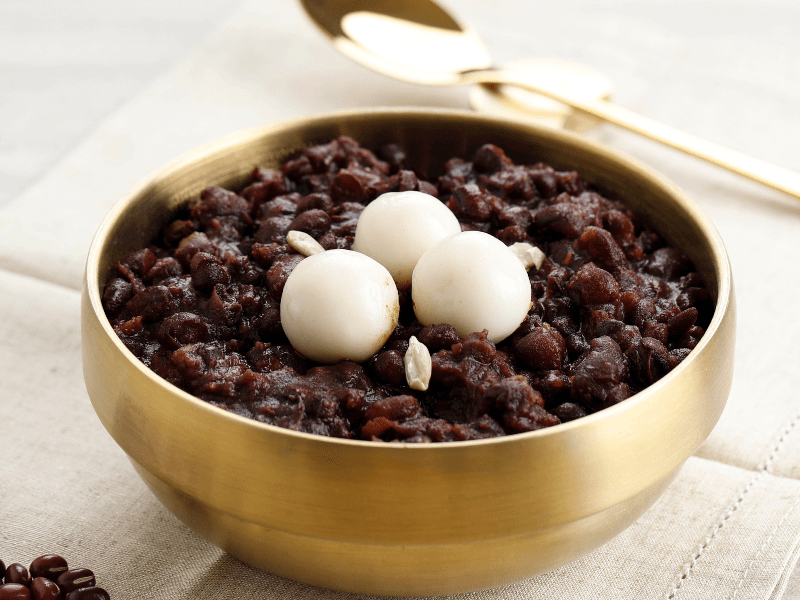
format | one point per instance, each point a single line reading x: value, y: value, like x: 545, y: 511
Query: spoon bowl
x: 414, y: 41
x: 419, y: 42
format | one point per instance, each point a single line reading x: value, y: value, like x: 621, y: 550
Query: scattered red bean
x: 49, y: 566
x: 52, y: 580
x: 88, y: 593
x: 14, y: 591
x: 17, y: 573
x: 73, y: 579
x: 44, y: 589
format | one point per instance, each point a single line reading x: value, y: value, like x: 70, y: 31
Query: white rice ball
x: 472, y: 281
x: 339, y: 305
x: 398, y: 227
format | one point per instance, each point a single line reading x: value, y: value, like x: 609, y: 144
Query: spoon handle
x: 774, y: 176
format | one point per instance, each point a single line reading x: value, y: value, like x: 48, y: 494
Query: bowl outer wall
x: 368, y: 493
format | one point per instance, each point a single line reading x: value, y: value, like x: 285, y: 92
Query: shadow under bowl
x: 406, y: 519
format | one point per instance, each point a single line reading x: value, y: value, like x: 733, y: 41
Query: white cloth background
x: 96, y: 97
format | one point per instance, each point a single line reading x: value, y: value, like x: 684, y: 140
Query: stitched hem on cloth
x: 764, y: 468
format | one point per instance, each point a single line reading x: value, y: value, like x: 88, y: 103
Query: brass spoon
x: 417, y: 41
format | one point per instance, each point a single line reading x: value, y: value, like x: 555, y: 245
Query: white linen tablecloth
x: 729, y: 525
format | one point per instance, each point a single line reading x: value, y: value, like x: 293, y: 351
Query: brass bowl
x: 398, y: 519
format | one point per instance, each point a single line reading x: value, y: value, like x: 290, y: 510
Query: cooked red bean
x: 216, y: 202
x: 390, y: 367
x: 316, y: 200
x: 314, y: 222
x: 593, y: 285
x: 439, y: 336
x: 543, y: 349
x: 471, y: 203
x: 273, y: 230
x: 490, y: 159
x: 281, y: 206
x: 208, y: 271
x: 613, y: 307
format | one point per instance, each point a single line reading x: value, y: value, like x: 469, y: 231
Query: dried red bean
x: 73, y: 579
x: 266, y: 183
x: 14, y: 591
x: 278, y: 207
x: 512, y: 184
x: 89, y: 593
x: 49, y: 566
x: 644, y: 311
x: 658, y: 331
x: 477, y: 346
x: 512, y: 235
x: 43, y: 588
x: 428, y: 188
x: 265, y: 254
x: 17, y: 573
x: 649, y: 360
x: 598, y: 373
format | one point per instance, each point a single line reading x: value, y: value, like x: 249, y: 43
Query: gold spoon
x: 419, y: 42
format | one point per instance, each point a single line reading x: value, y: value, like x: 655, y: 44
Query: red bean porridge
x: 614, y: 307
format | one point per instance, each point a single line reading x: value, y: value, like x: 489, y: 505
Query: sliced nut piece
x: 303, y: 243
x: 418, y: 365
x: 530, y: 256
